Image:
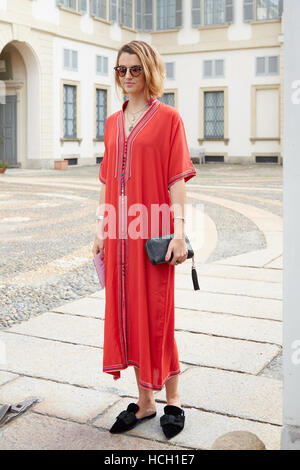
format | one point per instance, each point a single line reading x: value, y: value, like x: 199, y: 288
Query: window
x: 213, y: 68
x: 139, y: 14
x: 265, y: 112
x: 126, y: 13
x: 101, y: 65
x: 170, y: 70
x: 196, y: 12
x: 144, y: 15
x: 262, y: 10
x: 76, y: 5
x: 71, y: 4
x: 267, y: 65
x: 69, y: 110
x: 213, y: 115
x: 113, y: 10
x: 211, y: 12
x: 168, y: 98
x: 101, y: 112
x: 70, y: 60
x: 98, y: 8
x: 168, y: 14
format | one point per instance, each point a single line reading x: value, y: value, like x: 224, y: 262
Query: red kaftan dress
x: 139, y: 297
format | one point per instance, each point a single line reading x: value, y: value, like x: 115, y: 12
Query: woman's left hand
x: 178, y: 247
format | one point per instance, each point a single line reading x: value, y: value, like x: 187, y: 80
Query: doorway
x: 8, y: 131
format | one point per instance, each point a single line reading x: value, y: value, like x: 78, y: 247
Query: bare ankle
x: 174, y: 400
x: 146, y: 402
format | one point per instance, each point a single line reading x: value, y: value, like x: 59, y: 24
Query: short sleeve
x: 180, y: 163
x: 103, y: 165
x: 103, y: 168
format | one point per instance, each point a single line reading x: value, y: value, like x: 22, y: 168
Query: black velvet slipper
x: 127, y: 420
x: 172, y: 422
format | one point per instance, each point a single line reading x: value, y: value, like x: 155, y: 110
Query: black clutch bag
x: 157, y: 248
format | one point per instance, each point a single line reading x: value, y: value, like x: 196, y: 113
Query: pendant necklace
x: 134, y: 117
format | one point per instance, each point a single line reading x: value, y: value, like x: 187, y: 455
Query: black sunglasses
x: 135, y: 70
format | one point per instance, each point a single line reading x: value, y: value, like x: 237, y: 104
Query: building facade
x: 223, y: 60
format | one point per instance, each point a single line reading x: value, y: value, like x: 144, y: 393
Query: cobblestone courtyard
x: 228, y: 334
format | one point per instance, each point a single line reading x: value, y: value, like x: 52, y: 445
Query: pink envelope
x: 99, y: 265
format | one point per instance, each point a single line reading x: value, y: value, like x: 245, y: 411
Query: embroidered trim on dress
x: 143, y: 384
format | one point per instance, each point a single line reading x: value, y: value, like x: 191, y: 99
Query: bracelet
x: 99, y: 216
x: 177, y: 217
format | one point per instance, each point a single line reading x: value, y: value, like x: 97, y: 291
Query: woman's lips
x: 129, y: 83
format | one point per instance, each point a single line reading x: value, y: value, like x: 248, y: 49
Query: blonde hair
x: 152, y: 64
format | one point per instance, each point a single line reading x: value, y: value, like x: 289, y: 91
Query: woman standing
x: 145, y: 164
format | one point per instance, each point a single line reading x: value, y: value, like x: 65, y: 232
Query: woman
x: 145, y: 164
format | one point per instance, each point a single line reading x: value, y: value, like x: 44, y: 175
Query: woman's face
x: 131, y: 85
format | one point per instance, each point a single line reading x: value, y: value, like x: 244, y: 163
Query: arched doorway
x: 19, y: 104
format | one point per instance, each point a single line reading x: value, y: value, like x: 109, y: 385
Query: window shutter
x: 273, y: 65
x: 60, y: 2
x: 98, y: 64
x: 105, y: 65
x: 74, y: 60
x: 121, y: 11
x: 229, y: 9
x: 280, y: 8
x: 66, y: 58
x: 138, y: 14
x: 260, y: 65
x: 113, y: 10
x: 196, y: 12
x: 83, y: 6
x: 147, y: 15
x: 169, y: 66
x: 207, y: 68
x: 219, y: 68
x: 249, y: 10
x: 93, y: 8
x: 178, y: 14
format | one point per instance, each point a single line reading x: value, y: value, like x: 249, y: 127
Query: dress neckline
x: 150, y: 103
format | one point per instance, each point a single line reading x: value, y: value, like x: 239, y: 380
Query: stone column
x: 290, y: 437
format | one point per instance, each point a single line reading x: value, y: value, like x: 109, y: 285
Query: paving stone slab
x: 201, y: 428
x: 37, y: 432
x: 64, y: 327
x: 64, y: 362
x: 258, y: 258
x: 59, y: 400
x: 6, y: 377
x: 99, y: 294
x: 224, y: 353
x: 247, y: 287
x: 233, y: 272
x: 92, y: 306
x: 231, y: 326
x: 227, y: 303
x: 240, y: 395
x: 276, y: 263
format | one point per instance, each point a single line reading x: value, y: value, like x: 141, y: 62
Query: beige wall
x: 39, y: 30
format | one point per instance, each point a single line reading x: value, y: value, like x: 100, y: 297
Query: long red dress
x: 139, y: 296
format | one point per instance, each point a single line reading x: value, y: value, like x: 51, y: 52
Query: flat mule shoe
x: 172, y: 422
x: 127, y: 420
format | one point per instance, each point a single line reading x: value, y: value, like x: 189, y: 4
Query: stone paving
x: 229, y: 334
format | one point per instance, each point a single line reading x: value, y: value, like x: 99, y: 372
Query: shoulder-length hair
x: 153, y: 67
